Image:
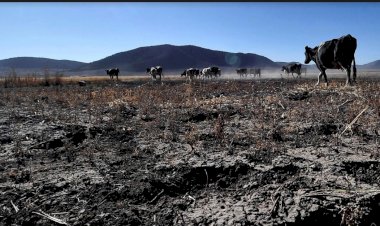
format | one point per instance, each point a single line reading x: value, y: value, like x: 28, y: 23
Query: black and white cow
x: 197, y: 73
x: 292, y: 68
x: 190, y: 73
x: 206, y: 72
x: 216, y: 71
x: 210, y: 72
x: 154, y: 71
x: 113, y: 72
x: 334, y: 54
x: 242, y: 72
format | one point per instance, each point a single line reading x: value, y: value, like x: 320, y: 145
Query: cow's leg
x: 319, y: 78
x: 348, y: 81
x: 354, y: 70
x: 325, y: 76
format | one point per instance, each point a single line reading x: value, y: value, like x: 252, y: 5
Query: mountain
x: 37, y: 64
x: 174, y: 58
x: 171, y: 58
x: 371, y: 65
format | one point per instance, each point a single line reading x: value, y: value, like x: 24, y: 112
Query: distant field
x: 33, y: 80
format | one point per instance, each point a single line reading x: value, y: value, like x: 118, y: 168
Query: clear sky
x: 91, y: 31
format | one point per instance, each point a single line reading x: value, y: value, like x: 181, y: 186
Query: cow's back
x: 325, y: 54
x: 345, y: 49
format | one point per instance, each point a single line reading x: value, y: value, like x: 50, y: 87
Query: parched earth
x: 249, y: 152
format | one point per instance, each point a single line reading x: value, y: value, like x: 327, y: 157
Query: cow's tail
x: 354, y: 70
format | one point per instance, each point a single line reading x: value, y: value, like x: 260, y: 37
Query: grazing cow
x: 206, y: 72
x: 112, y: 72
x: 154, y: 71
x: 242, y: 72
x: 216, y: 71
x: 292, y: 68
x: 334, y: 54
x: 255, y: 71
x: 209, y: 72
x: 190, y: 73
x: 82, y: 83
x: 197, y: 73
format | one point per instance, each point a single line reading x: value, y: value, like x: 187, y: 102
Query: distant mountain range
x: 39, y: 63
x: 171, y: 58
x: 372, y: 65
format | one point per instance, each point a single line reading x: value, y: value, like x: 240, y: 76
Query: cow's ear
x: 306, y: 47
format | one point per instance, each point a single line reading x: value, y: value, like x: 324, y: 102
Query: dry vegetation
x: 239, y: 152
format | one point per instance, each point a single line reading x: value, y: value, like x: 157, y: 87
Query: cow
x: 334, y: 54
x: 255, y: 71
x: 211, y: 71
x: 216, y: 71
x: 113, y: 72
x: 242, y: 72
x: 197, y: 73
x: 190, y: 73
x: 154, y: 71
x: 82, y: 83
x: 292, y: 68
x: 206, y: 72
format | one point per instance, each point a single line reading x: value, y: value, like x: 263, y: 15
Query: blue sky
x: 91, y: 31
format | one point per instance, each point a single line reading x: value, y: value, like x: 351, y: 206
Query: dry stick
x: 43, y: 214
x: 347, y: 101
x: 162, y: 191
x: 104, y: 199
x: 206, y: 177
x: 355, y: 119
x: 273, y: 210
x: 15, y: 207
x: 279, y: 102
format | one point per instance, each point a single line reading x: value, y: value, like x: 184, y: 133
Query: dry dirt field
x: 220, y: 152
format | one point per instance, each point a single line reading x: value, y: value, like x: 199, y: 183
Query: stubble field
x: 215, y: 152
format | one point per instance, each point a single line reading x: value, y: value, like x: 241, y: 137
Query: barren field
x: 217, y: 152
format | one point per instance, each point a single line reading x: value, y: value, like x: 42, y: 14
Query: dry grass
x: 264, y: 101
x: 257, y: 119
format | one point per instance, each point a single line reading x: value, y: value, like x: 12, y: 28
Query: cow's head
x: 309, y: 54
x: 147, y: 69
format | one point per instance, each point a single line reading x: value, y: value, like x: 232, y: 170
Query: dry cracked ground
x: 239, y: 152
